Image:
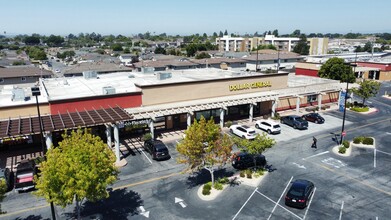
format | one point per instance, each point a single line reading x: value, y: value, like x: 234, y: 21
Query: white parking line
x: 309, y: 204
x: 374, y: 158
x: 279, y: 205
x: 315, y: 155
x: 245, y: 203
x: 383, y: 152
x: 146, y: 156
x: 340, y: 213
x: 286, y: 187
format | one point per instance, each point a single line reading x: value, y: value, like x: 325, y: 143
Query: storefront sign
x: 254, y: 85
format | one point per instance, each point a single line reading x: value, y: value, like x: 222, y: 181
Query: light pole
x: 343, y: 133
x: 36, y: 92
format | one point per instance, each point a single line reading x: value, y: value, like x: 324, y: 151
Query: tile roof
x: 23, y: 71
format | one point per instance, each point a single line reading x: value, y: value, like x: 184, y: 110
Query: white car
x: 271, y: 127
x: 243, y: 131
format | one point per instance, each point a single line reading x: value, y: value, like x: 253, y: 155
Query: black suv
x: 157, y: 149
x: 245, y: 160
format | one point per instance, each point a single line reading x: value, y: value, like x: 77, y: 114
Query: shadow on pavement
x: 32, y: 217
x: 119, y: 205
x: 203, y: 176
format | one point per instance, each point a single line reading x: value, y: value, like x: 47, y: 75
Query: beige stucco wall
x: 159, y: 94
x: 23, y: 111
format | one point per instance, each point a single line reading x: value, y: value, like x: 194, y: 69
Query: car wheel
x: 257, y: 126
x: 243, y: 136
x: 316, y: 122
x: 294, y: 126
x: 282, y: 122
x: 230, y: 130
x: 269, y: 131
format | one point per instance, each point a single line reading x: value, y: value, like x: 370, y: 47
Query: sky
x: 185, y: 17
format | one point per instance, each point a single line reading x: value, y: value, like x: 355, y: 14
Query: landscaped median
x: 247, y: 177
x: 346, y: 148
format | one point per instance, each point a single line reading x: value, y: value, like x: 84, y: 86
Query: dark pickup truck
x: 24, y: 175
x: 294, y: 121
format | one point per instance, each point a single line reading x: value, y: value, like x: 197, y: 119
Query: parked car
x: 299, y: 193
x: 243, y: 131
x: 271, y: 127
x: 294, y: 121
x: 24, y: 175
x: 313, y: 117
x: 7, y: 175
x: 157, y: 149
x: 245, y: 160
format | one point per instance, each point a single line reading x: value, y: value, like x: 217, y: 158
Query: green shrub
x: 345, y: 143
x: 359, y: 109
x: 358, y: 139
x: 342, y: 150
x: 223, y: 180
x: 206, y: 189
x: 249, y: 174
x: 276, y: 116
x: 147, y: 136
x: 368, y: 141
x: 228, y: 124
x: 242, y: 173
x: 218, y: 186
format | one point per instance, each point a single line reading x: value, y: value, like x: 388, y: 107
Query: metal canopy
x: 28, y: 126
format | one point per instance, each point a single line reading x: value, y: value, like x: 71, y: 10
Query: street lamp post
x: 343, y: 133
x: 36, y: 92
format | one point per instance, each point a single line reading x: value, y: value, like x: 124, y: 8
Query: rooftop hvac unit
x: 131, y: 76
x: 147, y: 69
x: 90, y: 74
x: 18, y: 94
x: 163, y: 76
x: 108, y: 90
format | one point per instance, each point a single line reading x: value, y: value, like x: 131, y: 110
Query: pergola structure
x: 21, y: 127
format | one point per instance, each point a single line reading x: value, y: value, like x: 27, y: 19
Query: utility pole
x: 256, y: 67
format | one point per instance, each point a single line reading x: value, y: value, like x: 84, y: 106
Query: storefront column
x: 116, y: 142
x: 48, y: 140
x: 320, y: 102
x: 297, y: 104
x: 222, y: 112
x: 151, y: 128
x: 108, y: 135
x: 189, y: 119
x: 274, y: 107
x: 251, y: 112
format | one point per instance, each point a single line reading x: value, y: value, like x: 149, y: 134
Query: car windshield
x: 276, y: 126
x: 251, y: 132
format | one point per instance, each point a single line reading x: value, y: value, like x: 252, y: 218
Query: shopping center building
x: 130, y: 103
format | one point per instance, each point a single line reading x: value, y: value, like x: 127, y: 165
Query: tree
x: 296, y: 33
x: 32, y: 40
x: 302, y: 46
x: 335, y: 68
x: 160, y: 50
x: 204, y: 147
x: 256, y: 146
x: 275, y: 33
x: 116, y: 47
x: 225, y: 32
x: 36, y: 53
x: 54, y: 41
x: 81, y: 167
x: 221, y: 34
x: 202, y: 55
x: 367, y: 89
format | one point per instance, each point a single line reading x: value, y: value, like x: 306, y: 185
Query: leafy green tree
x: 225, y: 32
x: 275, y: 33
x: 256, y: 146
x: 54, y: 41
x: 116, y: 47
x: 126, y: 50
x: 204, y: 147
x: 367, y: 89
x: 160, y: 50
x: 221, y: 34
x: 335, y: 68
x: 296, y: 33
x: 3, y: 190
x: 36, y: 53
x: 81, y: 167
x: 202, y: 55
x: 32, y: 40
x: 302, y: 46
